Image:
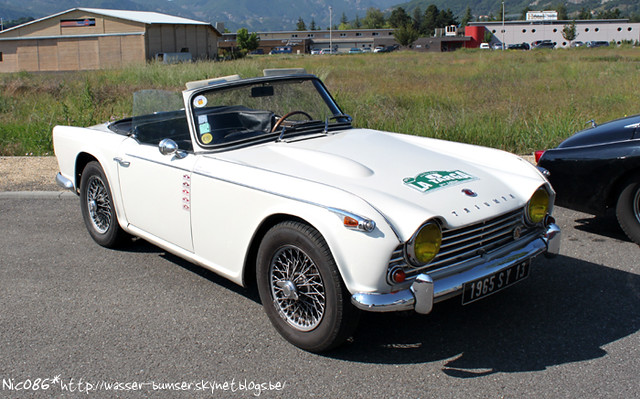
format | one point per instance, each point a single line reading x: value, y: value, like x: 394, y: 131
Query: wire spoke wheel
x: 98, y: 208
x: 99, y: 205
x: 297, y: 288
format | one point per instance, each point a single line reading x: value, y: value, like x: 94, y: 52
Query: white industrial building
x: 609, y: 30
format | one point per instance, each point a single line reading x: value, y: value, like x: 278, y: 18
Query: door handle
x: 121, y: 162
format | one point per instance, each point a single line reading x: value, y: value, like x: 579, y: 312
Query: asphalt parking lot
x: 79, y: 320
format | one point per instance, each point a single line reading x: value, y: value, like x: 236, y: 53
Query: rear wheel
x: 98, y: 209
x: 628, y: 210
x: 301, y: 289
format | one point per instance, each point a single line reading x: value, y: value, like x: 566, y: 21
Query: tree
x: 523, y: 16
x: 312, y: 25
x: 301, y: 25
x: 357, y: 23
x: 584, y: 14
x: 417, y: 18
x: 399, y: 18
x: 429, y: 21
x: 344, y: 19
x: 374, y: 19
x: 405, y: 35
x: 246, y: 41
x: 466, y: 18
x: 569, y: 32
x: 562, y: 12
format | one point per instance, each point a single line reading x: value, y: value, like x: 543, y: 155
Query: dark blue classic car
x: 599, y: 169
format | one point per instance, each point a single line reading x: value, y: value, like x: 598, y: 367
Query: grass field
x: 517, y: 101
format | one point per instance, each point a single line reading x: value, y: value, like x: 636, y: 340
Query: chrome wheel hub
x: 99, y: 205
x: 297, y: 288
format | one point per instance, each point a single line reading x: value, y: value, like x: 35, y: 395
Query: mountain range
x: 265, y: 15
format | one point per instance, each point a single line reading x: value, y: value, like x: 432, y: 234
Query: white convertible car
x: 265, y: 181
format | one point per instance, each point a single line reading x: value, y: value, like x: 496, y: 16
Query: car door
x: 156, y: 191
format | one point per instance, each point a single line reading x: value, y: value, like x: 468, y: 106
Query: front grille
x: 465, y: 243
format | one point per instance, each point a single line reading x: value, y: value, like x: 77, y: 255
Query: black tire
x: 98, y: 209
x: 628, y: 210
x: 309, y: 306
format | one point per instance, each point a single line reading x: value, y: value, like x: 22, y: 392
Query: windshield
x: 263, y: 110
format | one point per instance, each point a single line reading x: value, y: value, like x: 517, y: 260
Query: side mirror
x: 169, y: 147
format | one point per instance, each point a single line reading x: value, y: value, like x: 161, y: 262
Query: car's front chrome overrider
x: 437, y: 286
x: 64, y: 182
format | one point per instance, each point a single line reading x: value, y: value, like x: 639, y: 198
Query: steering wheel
x: 285, y: 116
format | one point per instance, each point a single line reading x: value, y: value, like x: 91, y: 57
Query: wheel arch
x: 249, y: 269
x: 619, y: 185
x: 82, y: 160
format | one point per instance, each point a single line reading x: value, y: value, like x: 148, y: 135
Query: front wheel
x: 628, y: 210
x: 98, y: 209
x: 301, y: 289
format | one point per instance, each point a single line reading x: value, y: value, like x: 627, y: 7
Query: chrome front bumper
x: 439, y: 285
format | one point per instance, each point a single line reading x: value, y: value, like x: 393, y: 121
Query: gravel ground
x: 28, y: 174
x: 39, y: 173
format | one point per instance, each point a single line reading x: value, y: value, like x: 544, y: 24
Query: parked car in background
x: 355, y: 50
x: 519, y: 46
x: 597, y: 43
x: 315, y: 51
x: 328, y: 51
x: 499, y: 46
x: 281, y: 50
x: 266, y: 182
x: 485, y: 46
x: 598, y: 169
x: 543, y: 44
x: 577, y: 43
x: 366, y: 50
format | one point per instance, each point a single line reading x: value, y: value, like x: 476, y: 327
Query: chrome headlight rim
x: 410, y: 246
x: 539, y: 219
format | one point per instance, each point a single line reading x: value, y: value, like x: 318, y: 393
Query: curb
x: 37, y: 195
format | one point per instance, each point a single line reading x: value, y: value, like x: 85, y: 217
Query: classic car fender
x: 76, y: 146
x: 231, y: 203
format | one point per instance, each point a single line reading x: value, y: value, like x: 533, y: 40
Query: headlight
x: 425, y: 244
x: 538, y: 206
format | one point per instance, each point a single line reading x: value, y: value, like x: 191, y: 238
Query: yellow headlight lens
x: 425, y: 244
x: 538, y: 206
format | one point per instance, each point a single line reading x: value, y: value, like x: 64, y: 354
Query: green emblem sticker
x: 437, y: 179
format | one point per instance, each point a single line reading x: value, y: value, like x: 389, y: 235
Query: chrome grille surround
x: 466, y: 243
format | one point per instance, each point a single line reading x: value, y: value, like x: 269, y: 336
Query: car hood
x: 609, y: 132
x: 408, y: 179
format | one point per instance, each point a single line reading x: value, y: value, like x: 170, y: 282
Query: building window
x: 294, y: 35
x: 310, y: 35
x: 629, y: 29
x: 533, y: 31
x: 597, y: 29
x: 493, y: 31
x: 564, y: 43
x: 0, y: 56
x: 375, y: 34
x: 343, y: 35
x: 358, y: 34
x: 619, y: 29
x: 75, y: 23
x: 524, y: 31
x: 586, y: 29
x: 555, y: 30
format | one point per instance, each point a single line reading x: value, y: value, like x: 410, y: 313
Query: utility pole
x: 330, y: 30
x: 503, y: 44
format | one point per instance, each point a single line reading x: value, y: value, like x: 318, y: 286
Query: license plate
x: 482, y: 287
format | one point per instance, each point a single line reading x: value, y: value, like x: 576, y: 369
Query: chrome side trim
x: 65, y: 183
x: 428, y: 289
